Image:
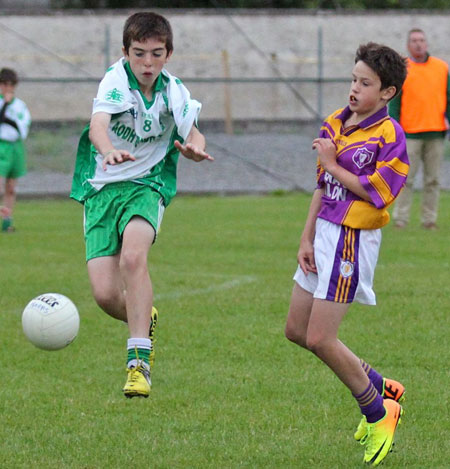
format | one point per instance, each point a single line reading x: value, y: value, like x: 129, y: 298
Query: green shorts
x: 12, y: 159
x: 107, y: 213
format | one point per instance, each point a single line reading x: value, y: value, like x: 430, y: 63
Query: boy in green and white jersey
x: 15, y: 123
x: 125, y: 176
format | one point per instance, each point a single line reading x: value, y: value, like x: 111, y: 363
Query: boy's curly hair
x: 388, y: 64
x: 146, y: 25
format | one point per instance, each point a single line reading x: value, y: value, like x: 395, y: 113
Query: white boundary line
x: 226, y: 285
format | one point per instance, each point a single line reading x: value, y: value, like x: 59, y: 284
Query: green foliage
x: 229, y: 391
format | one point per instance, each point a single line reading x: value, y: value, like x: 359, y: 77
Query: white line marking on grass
x: 227, y: 285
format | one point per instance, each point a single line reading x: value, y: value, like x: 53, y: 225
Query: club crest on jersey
x: 346, y: 268
x: 115, y: 96
x: 362, y: 157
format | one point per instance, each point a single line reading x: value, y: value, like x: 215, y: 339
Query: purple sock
x: 374, y: 376
x: 371, y: 404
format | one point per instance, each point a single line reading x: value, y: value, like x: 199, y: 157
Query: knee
x: 106, y: 298
x: 294, y: 335
x: 132, y: 260
x: 313, y: 345
x: 318, y: 344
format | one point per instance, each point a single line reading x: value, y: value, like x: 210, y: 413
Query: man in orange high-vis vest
x: 423, y: 111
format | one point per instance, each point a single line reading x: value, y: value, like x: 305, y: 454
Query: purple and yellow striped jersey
x: 374, y: 150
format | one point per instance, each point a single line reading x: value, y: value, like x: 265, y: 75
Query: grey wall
x: 81, y: 45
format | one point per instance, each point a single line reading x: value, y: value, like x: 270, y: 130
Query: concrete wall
x: 81, y: 45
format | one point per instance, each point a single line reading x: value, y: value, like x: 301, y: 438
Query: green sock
x: 139, y: 354
x: 138, y: 350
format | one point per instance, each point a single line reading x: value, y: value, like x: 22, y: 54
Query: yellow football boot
x: 361, y: 431
x: 138, y: 381
x: 151, y: 334
x: 380, y: 435
x: 391, y: 390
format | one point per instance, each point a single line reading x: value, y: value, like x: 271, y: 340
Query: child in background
x: 362, y: 166
x: 15, y: 121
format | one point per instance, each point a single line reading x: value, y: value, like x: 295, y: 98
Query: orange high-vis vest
x: 424, y: 97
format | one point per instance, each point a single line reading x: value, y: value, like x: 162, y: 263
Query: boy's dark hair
x: 388, y: 64
x: 8, y: 75
x: 146, y: 25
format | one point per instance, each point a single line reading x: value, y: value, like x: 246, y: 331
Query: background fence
x: 263, y: 65
x: 266, y: 77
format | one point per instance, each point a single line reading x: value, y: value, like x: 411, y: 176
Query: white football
x: 50, y: 321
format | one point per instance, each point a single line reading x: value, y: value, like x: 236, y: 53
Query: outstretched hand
x: 192, y: 152
x: 114, y: 157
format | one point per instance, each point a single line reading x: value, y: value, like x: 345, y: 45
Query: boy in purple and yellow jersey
x: 362, y: 166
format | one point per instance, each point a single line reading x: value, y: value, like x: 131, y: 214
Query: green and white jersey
x: 147, y: 129
x: 16, y: 111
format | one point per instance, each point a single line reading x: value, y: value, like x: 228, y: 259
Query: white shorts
x: 345, y: 259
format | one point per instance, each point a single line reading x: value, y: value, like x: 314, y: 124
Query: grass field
x: 228, y: 390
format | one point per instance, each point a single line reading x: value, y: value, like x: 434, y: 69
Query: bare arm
x: 98, y: 134
x: 327, y: 155
x: 194, y: 148
x: 305, y: 256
